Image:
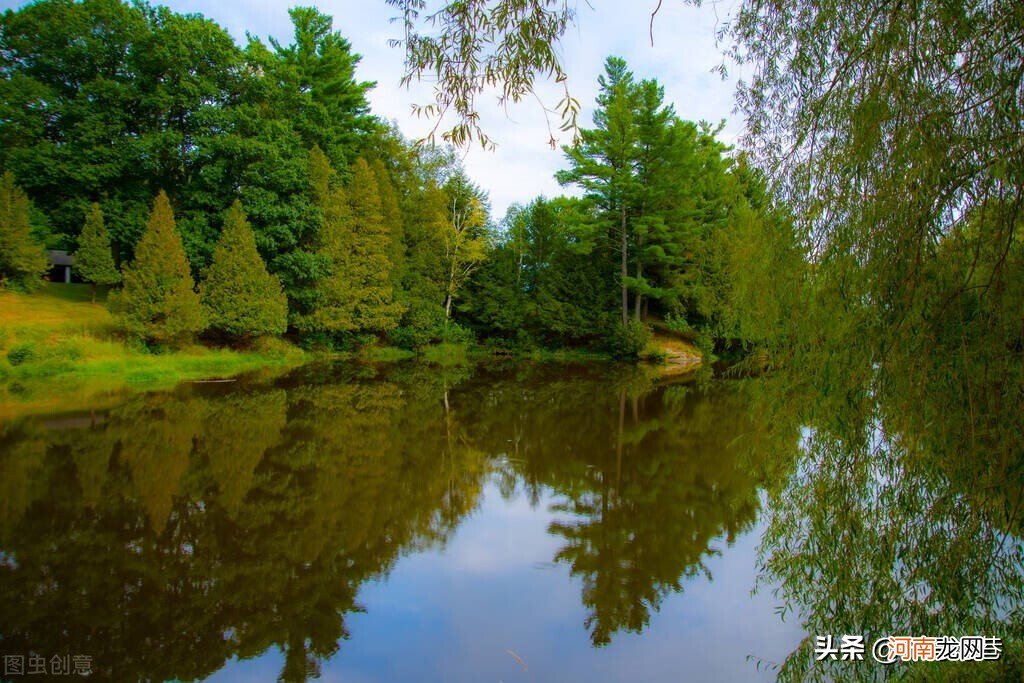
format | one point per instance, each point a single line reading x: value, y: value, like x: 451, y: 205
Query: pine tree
x: 605, y: 161
x: 330, y: 306
x: 22, y: 259
x: 159, y: 302
x: 93, y: 260
x: 392, y: 215
x: 375, y: 308
x: 240, y: 297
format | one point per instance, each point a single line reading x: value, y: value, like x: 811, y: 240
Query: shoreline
x: 58, y: 348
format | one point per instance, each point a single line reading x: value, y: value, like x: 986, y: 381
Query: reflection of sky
x: 453, y: 615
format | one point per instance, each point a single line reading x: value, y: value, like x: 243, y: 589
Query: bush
x: 404, y: 337
x: 316, y: 341
x: 422, y: 324
x: 446, y: 354
x: 22, y: 353
x: 274, y: 347
x: 453, y: 333
x: 678, y: 324
x: 626, y: 342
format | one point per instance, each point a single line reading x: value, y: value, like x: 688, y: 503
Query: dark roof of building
x: 61, y: 258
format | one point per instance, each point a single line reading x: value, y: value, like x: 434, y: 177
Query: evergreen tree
x: 159, y: 302
x: 392, y: 216
x: 329, y: 306
x: 240, y: 297
x: 315, y: 86
x: 22, y: 259
x: 604, y: 162
x: 427, y: 218
x: 93, y: 260
x: 374, y: 305
x: 422, y: 278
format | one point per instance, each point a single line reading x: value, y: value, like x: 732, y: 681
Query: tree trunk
x: 94, y: 292
x: 639, y: 274
x: 624, y: 270
x: 448, y: 307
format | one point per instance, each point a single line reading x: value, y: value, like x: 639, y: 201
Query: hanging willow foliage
x: 469, y: 47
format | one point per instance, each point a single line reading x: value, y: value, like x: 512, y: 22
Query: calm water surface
x: 519, y: 523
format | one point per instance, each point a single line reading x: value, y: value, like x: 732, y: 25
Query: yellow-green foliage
x: 334, y: 293
x: 93, y: 260
x: 241, y: 298
x: 356, y: 242
x: 57, y: 332
x: 446, y: 354
x: 22, y: 259
x: 375, y: 308
x: 392, y: 215
x: 159, y: 302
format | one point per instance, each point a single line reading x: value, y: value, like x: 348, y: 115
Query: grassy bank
x: 56, y: 347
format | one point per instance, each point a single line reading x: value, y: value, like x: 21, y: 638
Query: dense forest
x: 241, y: 192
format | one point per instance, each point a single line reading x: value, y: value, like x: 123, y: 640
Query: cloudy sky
x: 522, y: 167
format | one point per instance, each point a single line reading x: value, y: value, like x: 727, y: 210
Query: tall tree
x: 22, y: 259
x: 603, y: 164
x: 240, y: 297
x: 104, y: 100
x: 315, y: 87
x: 463, y: 237
x: 93, y: 259
x: 328, y: 307
x: 370, y: 266
x: 392, y: 215
x: 159, y: 302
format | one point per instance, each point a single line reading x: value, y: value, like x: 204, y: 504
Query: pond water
x: 514, y: 523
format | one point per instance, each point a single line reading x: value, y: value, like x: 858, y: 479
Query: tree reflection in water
x: 179, y: 530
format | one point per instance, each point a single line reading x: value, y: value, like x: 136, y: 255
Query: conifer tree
x: 159, y: 302
x: 392, y: 215
x: 240, y: 297
x: 330, y: 308
x: 93, y: 260
x: 22, y: 259
x: 605, y: 162
x: 375, y: 308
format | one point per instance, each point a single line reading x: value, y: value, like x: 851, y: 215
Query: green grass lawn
x: 57, y: 348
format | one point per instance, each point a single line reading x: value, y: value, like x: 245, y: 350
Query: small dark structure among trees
x: 60, y: 266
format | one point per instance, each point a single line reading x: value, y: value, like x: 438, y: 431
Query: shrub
x: 679, y: 324
x: 453, y: 333
x: 626, y: 342
x: 446, y: 354
x: 22, y: 353
x: 405, y: 337
x: 274, y: 347
x: 422, y: 324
